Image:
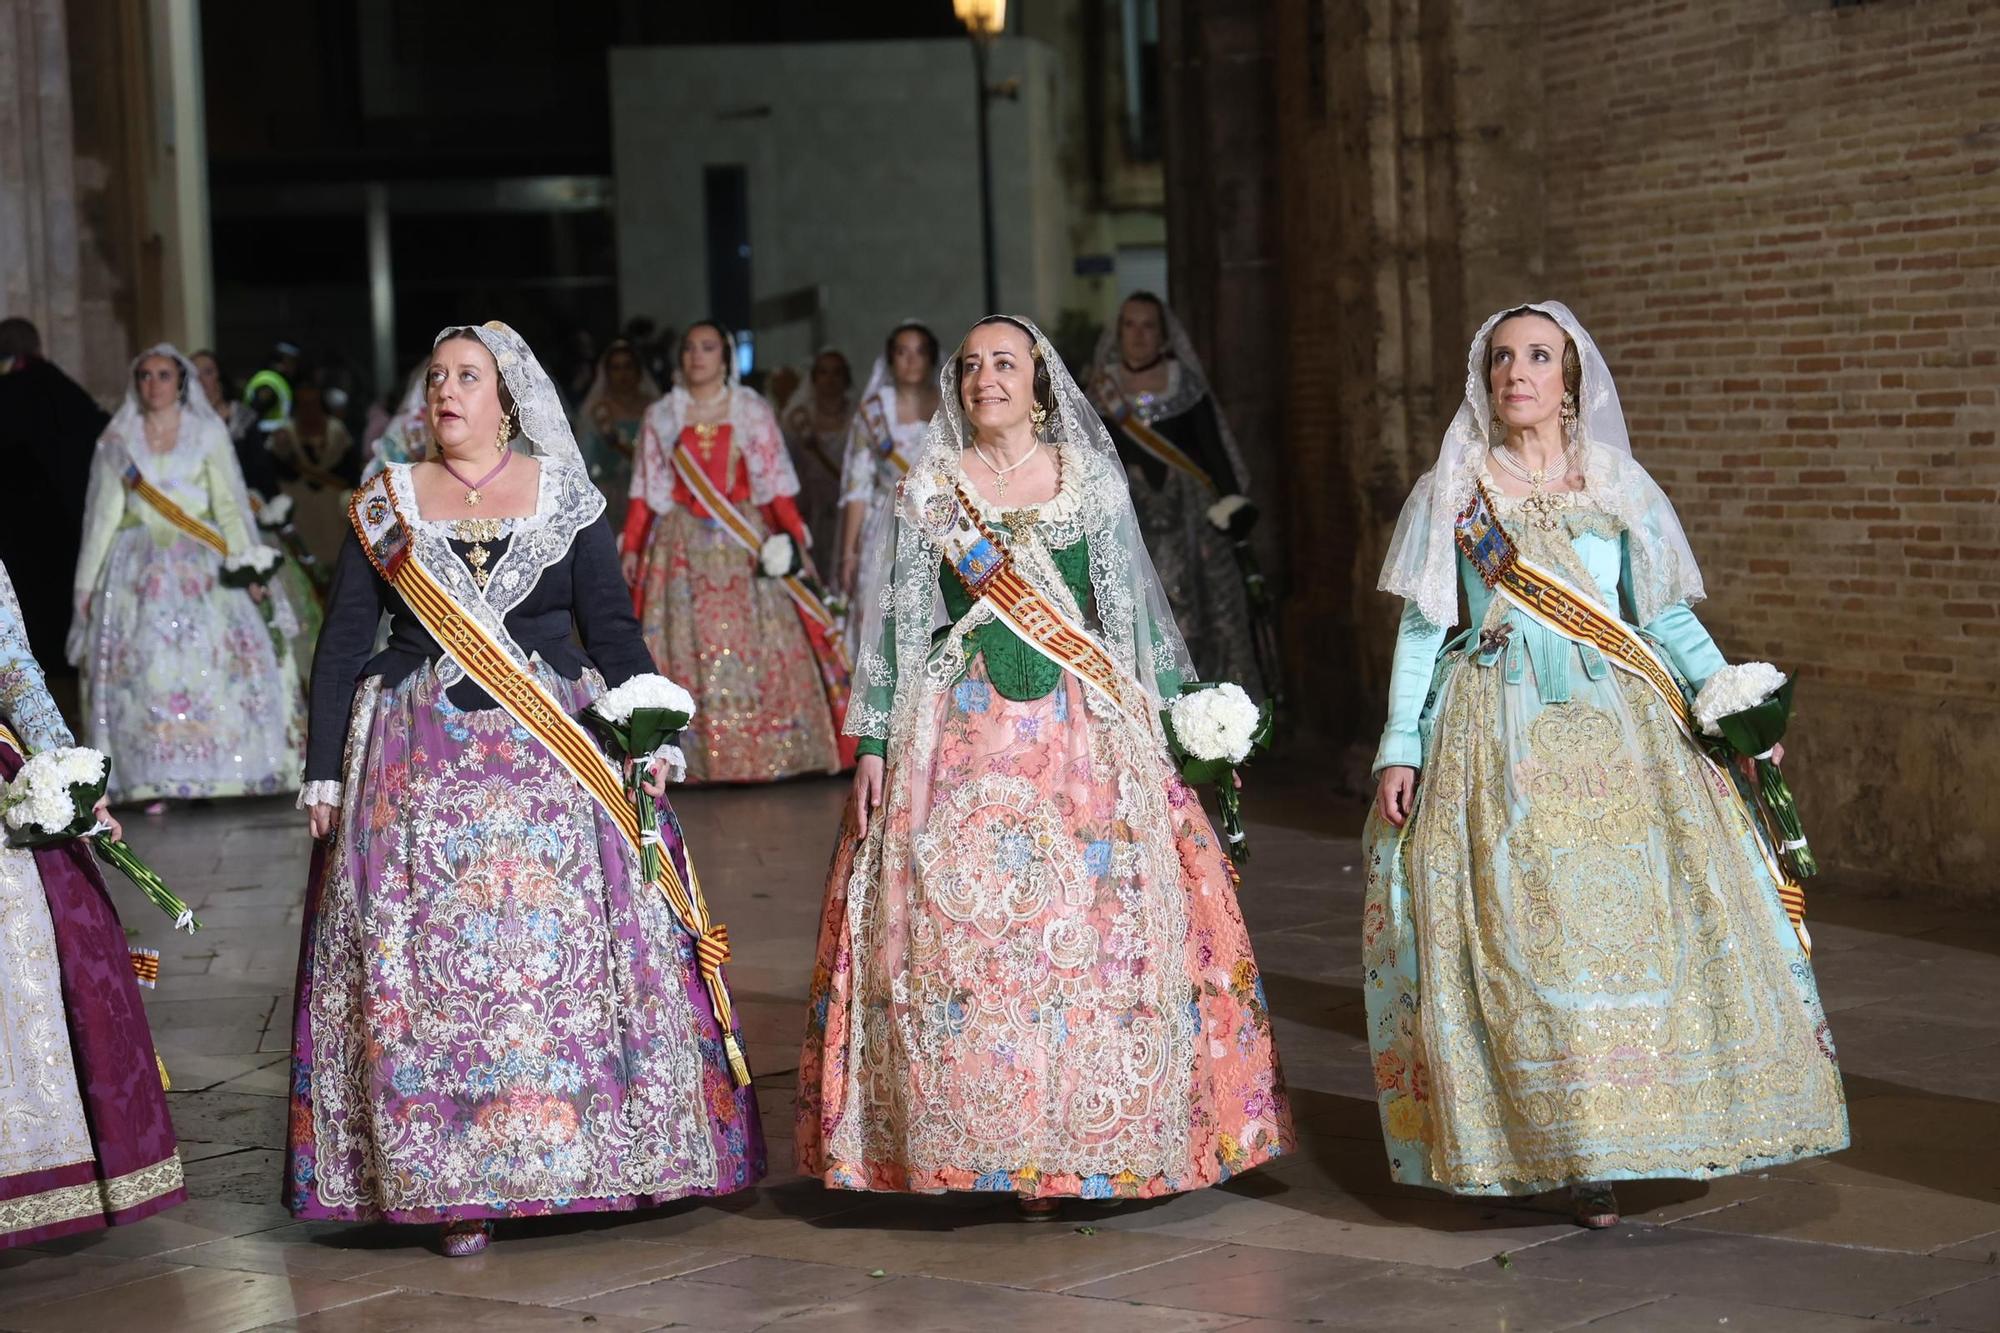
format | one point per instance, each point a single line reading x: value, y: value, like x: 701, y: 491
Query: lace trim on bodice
x: 1058, y: 520
x: 566, y: 503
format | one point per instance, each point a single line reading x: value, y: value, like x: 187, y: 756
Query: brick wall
x: 1781, y: 221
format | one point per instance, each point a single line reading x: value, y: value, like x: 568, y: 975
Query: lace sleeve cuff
x: 319, y: 793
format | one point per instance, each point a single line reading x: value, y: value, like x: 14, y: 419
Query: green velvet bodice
x: 1016, y: 670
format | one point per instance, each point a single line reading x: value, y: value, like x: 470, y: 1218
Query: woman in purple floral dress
x: 497, y: 1016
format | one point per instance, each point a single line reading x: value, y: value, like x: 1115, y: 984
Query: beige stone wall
x: 39, y: 277
x: 91, y: 186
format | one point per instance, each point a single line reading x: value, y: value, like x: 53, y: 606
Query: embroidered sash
x: 880, y: 437
x: 1137, y: 429
x: 989, y: 576
x: 696, y: 479
x: 1548, y: 601
x: 136, y: 482
x: 385, y: 537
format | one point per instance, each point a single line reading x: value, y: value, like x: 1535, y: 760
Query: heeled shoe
x: 1038, y: 1210
x: 1594, y: 1205
x: 461, y: 1240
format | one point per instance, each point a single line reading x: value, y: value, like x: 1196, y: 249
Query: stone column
x: 38, y: 222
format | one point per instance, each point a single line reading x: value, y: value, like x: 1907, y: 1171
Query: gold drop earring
x: 506, y: 433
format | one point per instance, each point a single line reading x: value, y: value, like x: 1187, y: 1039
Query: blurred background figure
x: 260, y: 470
x: 187, y: 685
x: 608, y: 420
x: 406, y: 437
x: 816, y: 421
x: 888, y: 425
x: 48, y: 427
x: 710, y: 487
x: 315, y: 456
x: 269, y: 392
x: 1182, y: 460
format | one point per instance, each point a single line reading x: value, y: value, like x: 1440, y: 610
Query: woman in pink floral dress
x: 1032, y: 975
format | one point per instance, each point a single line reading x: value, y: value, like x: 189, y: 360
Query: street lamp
x: 984, y: 20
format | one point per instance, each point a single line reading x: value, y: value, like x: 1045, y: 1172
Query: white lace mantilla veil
x: 537, y: 406
x: 124, y: 441
x: 752, y: 421
x: 1188, y: 386
x: 1422, y: 564
x: 600, y: 385
x: 857, y: 483
x: 209, y: 432
x: 1131, y: 614
x: 408, y: 436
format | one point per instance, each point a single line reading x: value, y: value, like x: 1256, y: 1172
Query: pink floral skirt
x: 1033, y: 976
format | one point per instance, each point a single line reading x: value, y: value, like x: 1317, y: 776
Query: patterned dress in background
x: 771, y: 685
x: 185, y: 685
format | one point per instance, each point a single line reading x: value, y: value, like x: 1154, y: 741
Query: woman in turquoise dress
x: 1577, y: 965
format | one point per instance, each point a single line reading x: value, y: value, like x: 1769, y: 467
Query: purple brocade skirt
x: 85, y: 1141
x: 495, y: 1017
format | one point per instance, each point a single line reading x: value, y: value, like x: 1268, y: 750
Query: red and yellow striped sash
x: 880, y: 437
x: 136, y: 482
x: 1138, y: 430
x: 987, y: 570
x: 696, y: 479
x: 1545, y: 599
x: 385, y: 537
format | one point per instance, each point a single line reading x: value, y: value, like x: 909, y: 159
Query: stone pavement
x: 1903, y: 1229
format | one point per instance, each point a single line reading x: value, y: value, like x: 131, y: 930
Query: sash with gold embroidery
x: 1122, y: 414
x: 1550, y: 602
x: 163, y: 503
x: 385, y: 537
x: 989, y: 576
x: 696, y: 479
x: 880, y: 437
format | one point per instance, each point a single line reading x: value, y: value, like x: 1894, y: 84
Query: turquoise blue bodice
x: 1685, y: 644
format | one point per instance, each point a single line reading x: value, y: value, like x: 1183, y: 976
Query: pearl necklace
x: 1542, y: 508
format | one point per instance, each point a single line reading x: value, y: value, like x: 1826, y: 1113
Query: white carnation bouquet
x: 275, y: 517
x: 1212, y: 729
x: 1744, y: 710
x: 251, y: 566
x: 255, y: 567
x: 275, y: 512
x: 54, y: 799
x: 779, y: 557
x: 642, y: 718
x: 1233, y: 514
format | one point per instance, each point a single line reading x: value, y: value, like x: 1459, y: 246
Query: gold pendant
x: 477, y: 558
x: 472, y: 497
x: 1543, y: 510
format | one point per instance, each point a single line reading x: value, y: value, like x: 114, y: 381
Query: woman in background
x: 185, y: 685
x: 711, y: 484
x: 609, y: 420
